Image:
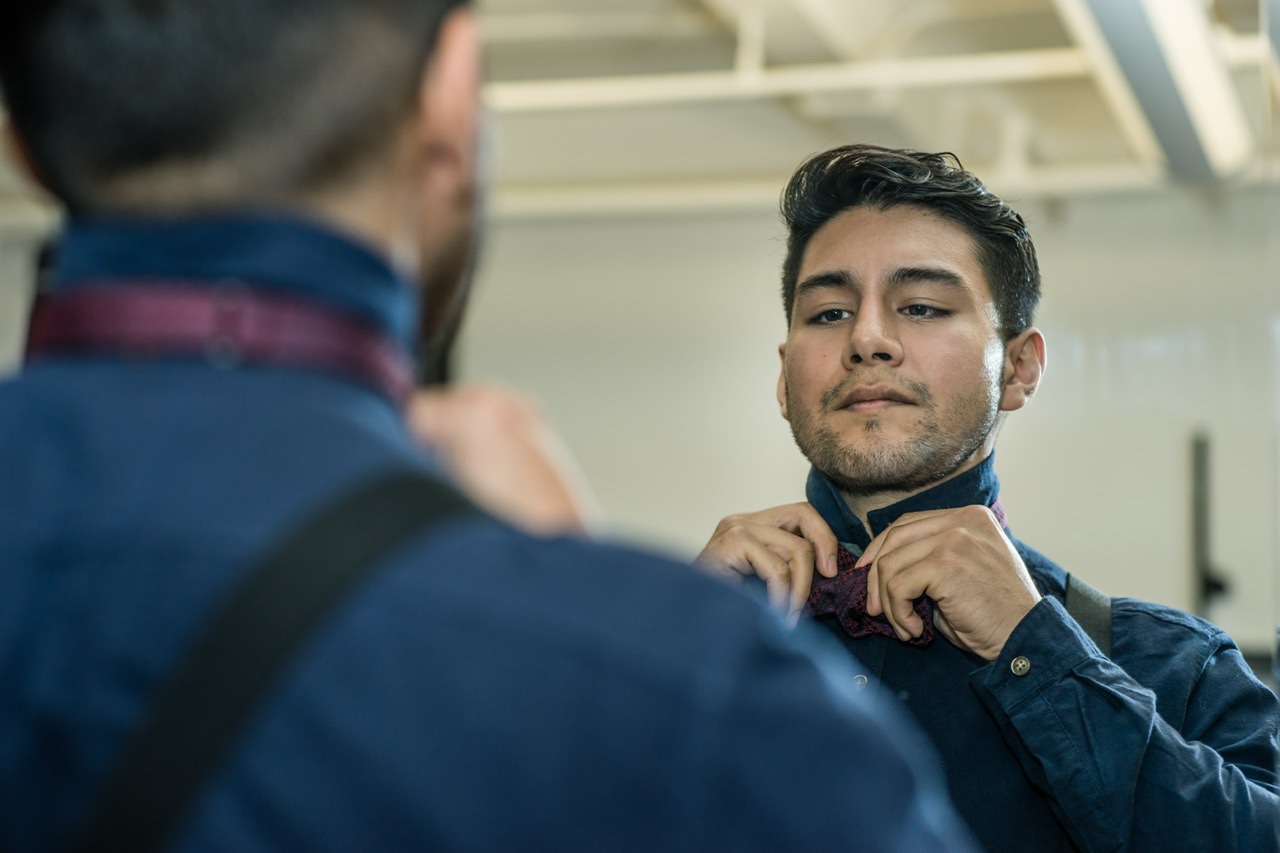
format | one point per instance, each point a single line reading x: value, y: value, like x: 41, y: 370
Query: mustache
x: 833, y: 396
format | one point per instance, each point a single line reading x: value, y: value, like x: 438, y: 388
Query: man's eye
x: 923, y: 311
x: 832, y: 315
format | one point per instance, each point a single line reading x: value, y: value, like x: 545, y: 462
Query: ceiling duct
x: 1168, y: 56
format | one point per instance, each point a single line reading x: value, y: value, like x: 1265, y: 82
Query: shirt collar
x: 978, y: 485
x: 273, y: 252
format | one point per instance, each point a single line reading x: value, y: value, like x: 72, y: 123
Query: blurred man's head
x: 362, y: 113
x: 147, y: 105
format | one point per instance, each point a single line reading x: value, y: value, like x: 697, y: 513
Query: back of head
x: 154, y: 105
x: 868, y: 175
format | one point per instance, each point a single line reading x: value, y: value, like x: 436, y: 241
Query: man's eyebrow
x: 824, y: 281
x: 931, y: 275
x: 842, y: 279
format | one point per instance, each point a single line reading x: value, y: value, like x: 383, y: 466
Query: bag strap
x: 1091, y: 609
x: 245, y: 648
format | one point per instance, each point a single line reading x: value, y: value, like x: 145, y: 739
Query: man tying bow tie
x: 909, y: 292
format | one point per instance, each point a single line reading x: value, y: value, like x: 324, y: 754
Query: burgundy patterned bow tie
x: 845, y: 597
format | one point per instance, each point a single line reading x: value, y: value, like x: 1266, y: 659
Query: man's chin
x: 875, y: 466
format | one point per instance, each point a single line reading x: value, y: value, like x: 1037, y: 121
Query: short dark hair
x: 260, y: 98
x: 852, y: 176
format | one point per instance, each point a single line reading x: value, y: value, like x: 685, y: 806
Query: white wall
x: 17, y: 268
x: 651, y: 342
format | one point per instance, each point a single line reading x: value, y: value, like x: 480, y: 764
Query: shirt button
x: 859, y: 682
x: 1020, y: 666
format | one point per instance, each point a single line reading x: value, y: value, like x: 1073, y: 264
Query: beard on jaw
x: 933, y: 453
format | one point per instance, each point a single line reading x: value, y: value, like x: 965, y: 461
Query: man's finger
x: 815, y: 529
x: 766, y: 552
x: 905, y: 573
x: 801, y: 584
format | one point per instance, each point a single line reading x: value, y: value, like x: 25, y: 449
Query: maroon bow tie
x: 845, y: 597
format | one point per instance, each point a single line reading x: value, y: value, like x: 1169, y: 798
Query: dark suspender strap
x: 1092, y: 611
x: 246, y: 647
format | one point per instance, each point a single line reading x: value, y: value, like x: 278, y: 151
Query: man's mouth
x: 873, y: 398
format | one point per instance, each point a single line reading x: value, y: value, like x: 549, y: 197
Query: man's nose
x: 874, y: 338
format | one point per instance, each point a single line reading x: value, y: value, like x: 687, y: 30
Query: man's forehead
x: 898, y: 244
x: 906, y: 236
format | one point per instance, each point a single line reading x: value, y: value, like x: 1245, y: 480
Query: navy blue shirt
x: 484, y: 689
x: 1171, y: 744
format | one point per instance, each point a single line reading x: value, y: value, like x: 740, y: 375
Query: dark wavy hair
x: 208, y: 101
x: 852, y: 176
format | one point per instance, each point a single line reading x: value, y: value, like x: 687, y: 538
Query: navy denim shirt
x: 1171, y: 744
x: 483, y: 690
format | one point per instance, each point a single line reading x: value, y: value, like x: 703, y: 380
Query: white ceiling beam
x: 761, y: 195
x: 749, y: 58
x: 887, y: 74
x: 1092, y: 58
x: 1271, y: 23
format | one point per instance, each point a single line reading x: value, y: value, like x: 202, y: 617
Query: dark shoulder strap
x: 244, y: 649
x: 1092, y: 611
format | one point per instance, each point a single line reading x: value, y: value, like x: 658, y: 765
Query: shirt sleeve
x: 1122, y: 776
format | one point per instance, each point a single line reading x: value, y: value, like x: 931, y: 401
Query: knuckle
x: 979, y: 514
x: 895, y: 586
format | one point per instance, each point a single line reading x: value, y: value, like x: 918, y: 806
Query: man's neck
x: 862, y: 504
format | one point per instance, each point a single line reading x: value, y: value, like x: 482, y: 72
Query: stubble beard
x: 871, y: 465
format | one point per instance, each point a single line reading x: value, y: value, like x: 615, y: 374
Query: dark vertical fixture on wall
x: 1208, y: 582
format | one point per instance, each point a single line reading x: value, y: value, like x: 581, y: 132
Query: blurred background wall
x: 630, y: 278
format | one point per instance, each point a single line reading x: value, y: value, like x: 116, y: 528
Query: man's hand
x: 781, y: 545
x: 963, y: 561
x: 503, y: 454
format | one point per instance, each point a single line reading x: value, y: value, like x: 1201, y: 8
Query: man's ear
x: 447, y: 125
x: 1024, y: 362
x: 782, y: 380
